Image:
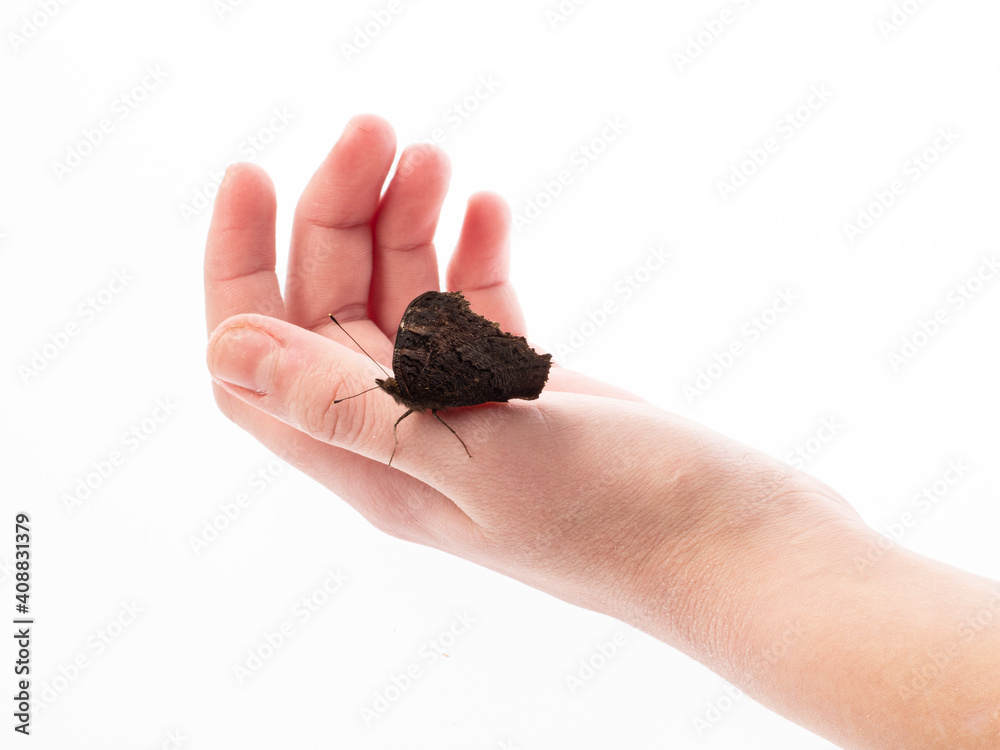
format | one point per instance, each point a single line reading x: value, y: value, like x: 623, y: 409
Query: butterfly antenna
x: 362, y: 349
x: 338, y: 400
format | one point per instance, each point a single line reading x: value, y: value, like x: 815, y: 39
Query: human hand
x: 583, y: 493
x: 588, y: 492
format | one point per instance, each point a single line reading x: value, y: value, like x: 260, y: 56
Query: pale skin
x: 759, y: 571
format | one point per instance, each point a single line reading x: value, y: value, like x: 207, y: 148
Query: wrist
x: 818, y: 617
x: 734, y: 592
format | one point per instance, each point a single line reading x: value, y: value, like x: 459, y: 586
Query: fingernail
x: 246, y: 357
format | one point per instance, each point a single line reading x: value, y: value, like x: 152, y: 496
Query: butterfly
x: 446, y: 355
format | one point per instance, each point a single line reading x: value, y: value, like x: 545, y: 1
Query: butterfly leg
x: 395, y: 440
x: 434, y: 412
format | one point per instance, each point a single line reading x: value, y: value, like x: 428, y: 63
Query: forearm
x: 822, y: 620
x: 909, y: 647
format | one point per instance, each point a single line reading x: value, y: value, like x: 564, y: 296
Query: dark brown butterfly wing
x: 446, y: 355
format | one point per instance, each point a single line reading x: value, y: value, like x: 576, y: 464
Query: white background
x: 134, y: 204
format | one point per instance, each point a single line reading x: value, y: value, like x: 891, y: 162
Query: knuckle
x: 323, y: 420
x: 345, y: 423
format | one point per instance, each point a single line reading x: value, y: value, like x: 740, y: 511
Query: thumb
x: 295, y: 375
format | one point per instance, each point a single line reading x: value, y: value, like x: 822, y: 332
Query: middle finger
x: 330, y: 263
